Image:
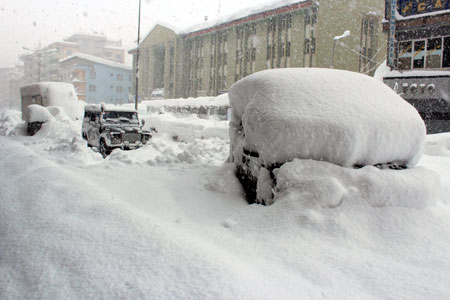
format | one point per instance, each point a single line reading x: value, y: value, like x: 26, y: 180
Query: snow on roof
x: 333, y: 115
x: 113, y: 48
x: 415, y: 73
x: 66, y: 43
x: 97, y: 60
x: 86, y: 35
x: 162, y: 24
x: 250, y: 11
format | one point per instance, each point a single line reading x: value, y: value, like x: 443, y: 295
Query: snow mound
x: 319, y: 183
x: 9, y: 120
x: 38, y: 113
x: 438, y: 145
x: 338, y: 116
x: 163, y: 150
x: 188, y: 128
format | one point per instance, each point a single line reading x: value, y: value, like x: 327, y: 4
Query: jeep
x: 109, y: 127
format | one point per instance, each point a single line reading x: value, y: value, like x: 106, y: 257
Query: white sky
x: 26, y: 23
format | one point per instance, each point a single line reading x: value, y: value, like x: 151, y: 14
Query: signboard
x: 391, y: 51
x: 416, y: 7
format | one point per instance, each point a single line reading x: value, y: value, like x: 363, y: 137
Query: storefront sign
x: 391, y: 52
x: 417, y: 7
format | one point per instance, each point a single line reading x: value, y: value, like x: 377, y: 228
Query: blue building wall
x: 107, y: 84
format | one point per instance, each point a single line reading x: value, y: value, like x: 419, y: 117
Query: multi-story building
x: 42, y: 64
x: 10, y: 81
x: 96, y: 79
x: 209, y: 58
x: 420, y: 69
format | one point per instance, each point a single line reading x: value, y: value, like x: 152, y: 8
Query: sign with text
x: 417, y: 7
x: 391, y: 51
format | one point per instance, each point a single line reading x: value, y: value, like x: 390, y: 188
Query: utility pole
x: 137, y: 58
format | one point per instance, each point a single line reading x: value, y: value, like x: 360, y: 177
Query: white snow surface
x: 169, y: 221
x: 333, y: 115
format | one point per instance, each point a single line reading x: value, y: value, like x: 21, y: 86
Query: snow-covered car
x: 47, y: 94
x: 108, y: 127
x: 329, y: 116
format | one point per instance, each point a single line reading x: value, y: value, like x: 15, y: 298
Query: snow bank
x: 438, y: 145
x: 319, y: 183
x: 338, y: 116
x: 38, y: 113
x: 9, y: 120
x: 188, y: 128
x: 202, y: 106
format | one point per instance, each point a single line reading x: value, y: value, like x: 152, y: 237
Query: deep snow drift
x: 168, y: 221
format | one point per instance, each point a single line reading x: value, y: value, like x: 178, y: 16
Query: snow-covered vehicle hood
x: 337, y: 116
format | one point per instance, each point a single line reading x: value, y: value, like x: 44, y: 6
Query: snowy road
x: 168, y: 221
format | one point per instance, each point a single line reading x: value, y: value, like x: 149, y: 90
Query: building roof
x: 246, y: 15
x: 84, y: 35
x: 249, y: 14
x: 97, y: 60
x: 65, y: 43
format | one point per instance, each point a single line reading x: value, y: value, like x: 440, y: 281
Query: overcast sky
x: 36, y: 23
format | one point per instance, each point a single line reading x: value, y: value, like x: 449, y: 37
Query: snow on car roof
x: 333, y: 115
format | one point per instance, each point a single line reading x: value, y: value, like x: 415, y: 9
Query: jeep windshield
x: 120, y: 117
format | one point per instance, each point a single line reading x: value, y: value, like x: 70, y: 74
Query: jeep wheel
x: 104, y: 149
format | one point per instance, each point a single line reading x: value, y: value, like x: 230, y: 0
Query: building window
x: 119, y: 77
x: 92, y: 88
x: 92, y: 75
x: 432, y: 53
x: 446, y: 53
x: 404, y: 55
x: 119, y: 89
x: 279, y: 41
x: 419, y: 55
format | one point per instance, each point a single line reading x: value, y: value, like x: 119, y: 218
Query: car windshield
x: 120, y: 116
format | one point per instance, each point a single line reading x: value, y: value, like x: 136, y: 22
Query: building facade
x: 97, y: 80
x: 209, y: 58
x: 11, y: 79
x: 42, y: 64
x: 420, y: 72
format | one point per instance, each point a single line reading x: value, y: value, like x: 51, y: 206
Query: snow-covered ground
x: 169, y: 221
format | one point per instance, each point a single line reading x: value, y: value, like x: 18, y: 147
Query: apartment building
x: 208, y: 58
x: 97, y: 80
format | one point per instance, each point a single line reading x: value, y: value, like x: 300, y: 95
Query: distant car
x: 157, y: 94
x: 344, y: 118
x: 109, y: 127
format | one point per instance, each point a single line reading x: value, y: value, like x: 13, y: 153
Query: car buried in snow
x: 342, y: 118
x: 52, y: 95
x: 107, y: 127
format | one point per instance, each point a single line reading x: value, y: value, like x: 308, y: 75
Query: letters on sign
x: 416, y: 7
